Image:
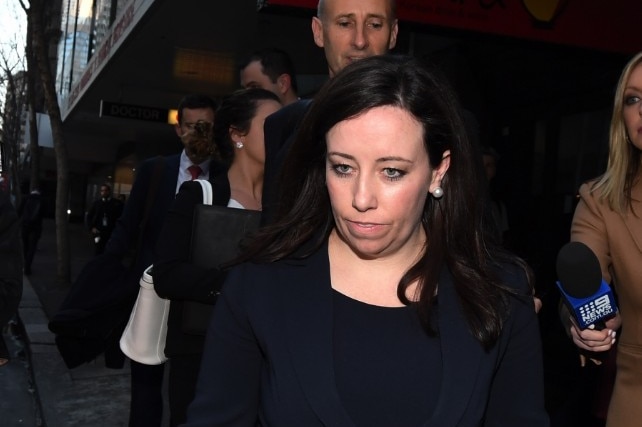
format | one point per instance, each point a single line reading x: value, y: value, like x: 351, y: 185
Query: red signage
x: 606, y: 25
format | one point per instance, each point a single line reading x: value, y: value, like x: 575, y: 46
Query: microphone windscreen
x: 578, y: 270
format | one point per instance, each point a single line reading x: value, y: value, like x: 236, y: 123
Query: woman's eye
x: 630, y: 100
x: 342, y: 169
x: 392, y: 173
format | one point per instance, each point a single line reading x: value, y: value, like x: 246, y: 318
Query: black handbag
x: 217, y: 232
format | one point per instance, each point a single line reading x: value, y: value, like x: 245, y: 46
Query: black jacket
x: 103, y: 215
x: 175, y: 277
x: 268, y: 357
x: 10, y: 260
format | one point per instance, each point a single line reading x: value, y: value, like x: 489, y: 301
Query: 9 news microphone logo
x: 592, y: 311
x: 588, y: 297
x: 596, y: 310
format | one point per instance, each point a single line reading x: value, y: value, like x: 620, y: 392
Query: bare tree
x: 14, y: 83
x: 32, y: 89
x: 37, y: 18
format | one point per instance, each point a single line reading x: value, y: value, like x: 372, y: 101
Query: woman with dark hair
x: 239, y: 148
x: 375, y: 299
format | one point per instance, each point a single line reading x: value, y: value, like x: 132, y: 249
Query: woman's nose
x: 364, y: 197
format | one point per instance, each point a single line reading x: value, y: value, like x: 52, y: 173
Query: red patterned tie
x: 195, y: 171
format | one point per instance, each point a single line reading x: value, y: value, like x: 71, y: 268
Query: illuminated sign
x: 136, y: 112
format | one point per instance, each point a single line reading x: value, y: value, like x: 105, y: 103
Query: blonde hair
x: 624, y: 158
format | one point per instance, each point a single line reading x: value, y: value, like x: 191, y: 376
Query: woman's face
x: 253, y: 141
x: 632, y: 108
x: 378, y: 178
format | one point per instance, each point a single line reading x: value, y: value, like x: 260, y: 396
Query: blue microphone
x: 587, y: 296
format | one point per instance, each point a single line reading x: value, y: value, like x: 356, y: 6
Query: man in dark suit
x: 156, y: 184
x: 367, y: 28
x: 102, y: 216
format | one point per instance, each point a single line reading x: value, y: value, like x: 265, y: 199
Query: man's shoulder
x: 165, y: 159
x: 291, y: 112
x: 168, y: 164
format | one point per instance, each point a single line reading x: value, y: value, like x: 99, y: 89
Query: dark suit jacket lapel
x: 309, y: 331
x: 172, y: 164
x: 461, y: 358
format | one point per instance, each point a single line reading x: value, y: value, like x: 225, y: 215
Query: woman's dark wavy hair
x: 236, y: 112
x: 454, y: 224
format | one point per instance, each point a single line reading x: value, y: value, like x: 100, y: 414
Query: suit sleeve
x: 279, y: 131
x: 175, y: 277
x: 517, y: 389
x: 91, y: 216
x: 128, y: 225
x: 227, y: 392
x: 589, y: 227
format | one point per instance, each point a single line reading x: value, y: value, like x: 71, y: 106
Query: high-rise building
x: 84, y: 25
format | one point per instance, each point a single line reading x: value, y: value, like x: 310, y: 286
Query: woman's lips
x: 366, y: 228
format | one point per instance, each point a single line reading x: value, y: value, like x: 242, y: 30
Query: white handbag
x: 207, y: 191
x: 144, y: 337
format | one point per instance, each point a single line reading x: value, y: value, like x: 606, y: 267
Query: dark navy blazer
x: 268, y: 357
x: 128, y: 225
x: 279, y: 132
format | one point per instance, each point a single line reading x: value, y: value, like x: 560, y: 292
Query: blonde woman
x: 608, y: 219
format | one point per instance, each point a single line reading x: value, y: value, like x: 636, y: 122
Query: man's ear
x: 317, y: 31
x: 285, y: 83
x: 393, y: 35
x: 179, y: 131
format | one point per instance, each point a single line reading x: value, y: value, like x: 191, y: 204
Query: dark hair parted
x: 274, y: 63
x: 454, y: 224
x: 194, y: 101
x: 236, y: 112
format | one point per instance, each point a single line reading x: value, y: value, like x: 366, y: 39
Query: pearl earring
x: 438, y: 193
x: 238, y: 144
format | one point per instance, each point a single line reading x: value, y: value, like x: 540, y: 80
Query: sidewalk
x: 38, y: 389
